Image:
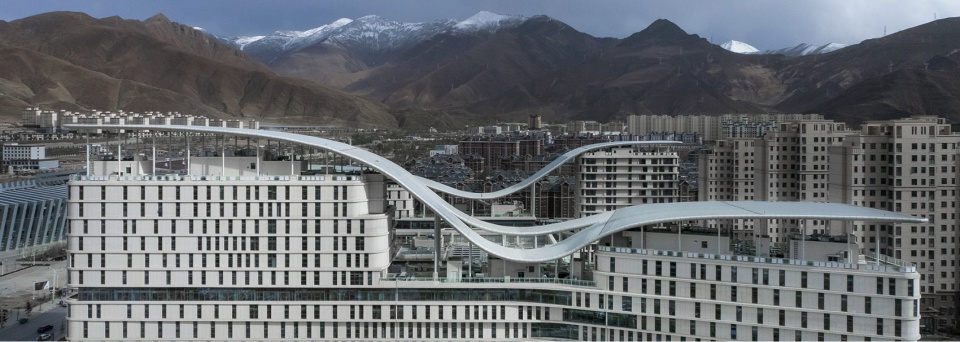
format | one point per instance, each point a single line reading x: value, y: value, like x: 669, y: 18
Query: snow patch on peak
x: 244, y: 41
x: 485, y: 20
x: 830, y: 47
x: 804, y: 49
x: 739, y: 47
x: 331, y: 26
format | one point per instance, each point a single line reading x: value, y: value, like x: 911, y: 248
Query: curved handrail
x: 598, y: 225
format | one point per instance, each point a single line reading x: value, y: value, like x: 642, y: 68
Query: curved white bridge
x: 593, y: 227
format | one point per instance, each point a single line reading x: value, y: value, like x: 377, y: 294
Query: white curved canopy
x: 596, y: 226
x: 562, y: 159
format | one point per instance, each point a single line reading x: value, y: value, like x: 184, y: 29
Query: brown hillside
x: 221, y: 80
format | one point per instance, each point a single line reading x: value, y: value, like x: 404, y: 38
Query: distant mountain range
x: 372, y: 71
x: 802, y: 49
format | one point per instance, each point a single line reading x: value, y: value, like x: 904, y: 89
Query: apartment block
x: 625, y: 176
x: 907, y: 166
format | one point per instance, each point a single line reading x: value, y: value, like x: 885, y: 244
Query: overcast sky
x: 764, y: 24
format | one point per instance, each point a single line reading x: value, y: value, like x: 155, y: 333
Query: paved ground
x: 17, y: 288
x: 52, y: 314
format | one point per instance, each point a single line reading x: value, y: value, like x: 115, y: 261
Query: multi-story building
x: 258, y: 251
x: 27, y: 157
x: 906, y: 166
x: 713, y: 127
x: 787, y: 164
x: 13, y: 151
x: 492, y: 150
x: 622, y: 177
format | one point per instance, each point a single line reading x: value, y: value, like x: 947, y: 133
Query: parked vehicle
x: 23, y: 321
x: 45, y: 328
x: 44, y: 337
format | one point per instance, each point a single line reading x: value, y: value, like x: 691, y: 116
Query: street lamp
x: 54, y: 287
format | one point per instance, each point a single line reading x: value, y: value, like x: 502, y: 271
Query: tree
x: 28, y: 307
x: 4, y: 315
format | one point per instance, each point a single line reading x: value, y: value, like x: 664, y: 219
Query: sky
x: 768, y: 24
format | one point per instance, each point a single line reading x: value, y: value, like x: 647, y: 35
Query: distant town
x: 203, y: 228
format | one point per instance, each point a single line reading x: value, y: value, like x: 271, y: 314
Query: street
x: 15, y: 331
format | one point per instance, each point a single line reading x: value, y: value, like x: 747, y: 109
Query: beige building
x: 787, y: 164
x: 906, y: 165
x: 713, y: 127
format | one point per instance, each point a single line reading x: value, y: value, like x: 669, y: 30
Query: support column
x: 876, y: 246
x: 88, y: 154
x: 533, y: 199
x: 120, y: 155
x: 803, y: 240
x: 470, y: 259
x: 718, y: 236
x: 679, y: 238
x: 436, y: 247
x: 223, y: 160
x: 188, y: 153
x: 153, y: 160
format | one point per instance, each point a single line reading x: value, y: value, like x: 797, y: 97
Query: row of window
x: 309, y: 329
x: 251, y: 192
x: 353, y: 278
x: 758, y: 276
x: 264, y: 209
x: 242, y: 260
x: 241, y: 243
x: 130, y: 226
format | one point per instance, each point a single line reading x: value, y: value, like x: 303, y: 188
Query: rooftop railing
x: 194, y: 178
x: 496, y: 280
x: 891, y: 267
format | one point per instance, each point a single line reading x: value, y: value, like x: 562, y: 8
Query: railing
x: 501, y: 280
x: 890, y: 261
x: 196, y: 178
x: 893, y: 265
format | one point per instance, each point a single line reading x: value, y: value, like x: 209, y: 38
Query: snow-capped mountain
x: 368, y: 34
x: 268, y: 47
x: 738, y: 47
x: 374, y: 33
x: 488, y: 21
x: 804, y: 49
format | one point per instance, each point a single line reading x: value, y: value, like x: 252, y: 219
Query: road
x: 28, y: 332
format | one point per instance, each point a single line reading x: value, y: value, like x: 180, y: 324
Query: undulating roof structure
x: 590, y: 228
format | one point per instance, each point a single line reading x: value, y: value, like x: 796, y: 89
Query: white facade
x: 281, y: 257
x: 622, y: 177
x: 15, y: 151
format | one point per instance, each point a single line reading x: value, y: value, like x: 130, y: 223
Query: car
x: 45, y: 328
x: 44, y: 337
x: 23, y: 321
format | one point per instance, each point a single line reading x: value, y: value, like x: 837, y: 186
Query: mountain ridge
x: 495, y: 67
x: 185, y: 69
